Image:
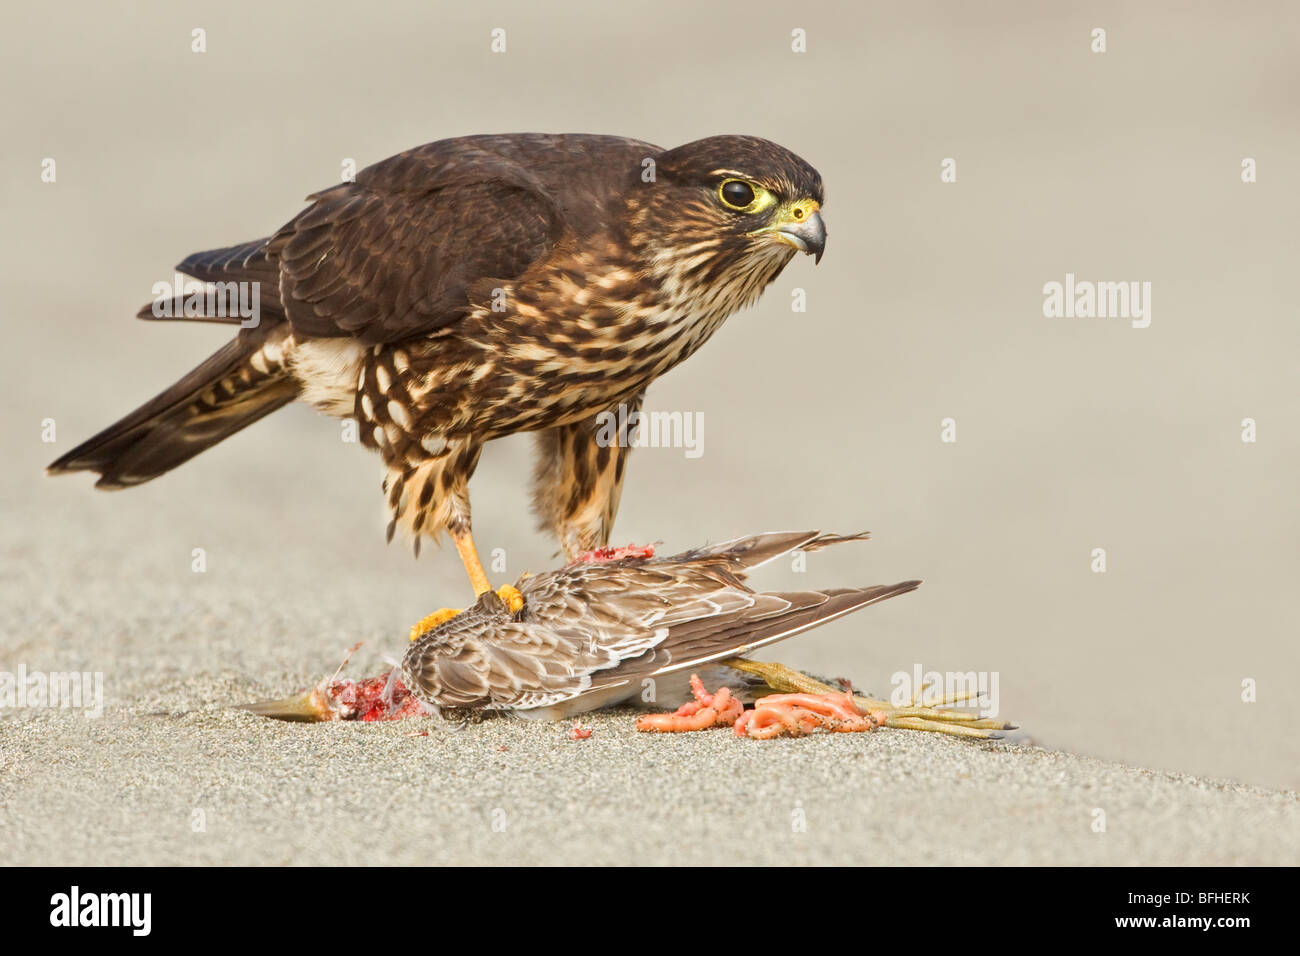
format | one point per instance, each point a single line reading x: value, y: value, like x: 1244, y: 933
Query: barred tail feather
x: 240, y: 383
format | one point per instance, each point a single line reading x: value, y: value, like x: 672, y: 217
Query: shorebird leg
x: 936, y: 719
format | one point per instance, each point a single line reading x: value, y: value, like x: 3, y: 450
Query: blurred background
x: 1072, y: 434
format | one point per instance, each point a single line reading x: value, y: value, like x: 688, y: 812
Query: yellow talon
x: 512, y: 598
x: 427, y: 623
x: 508, y: 593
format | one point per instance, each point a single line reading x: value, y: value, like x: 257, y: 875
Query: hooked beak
x: 807, y: 233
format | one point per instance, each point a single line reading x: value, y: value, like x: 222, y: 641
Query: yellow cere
x: 797, y: 211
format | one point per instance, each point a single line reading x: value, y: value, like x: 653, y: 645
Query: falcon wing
x: 418, y: 238
x: 394, y: 254
x: 404, y: 249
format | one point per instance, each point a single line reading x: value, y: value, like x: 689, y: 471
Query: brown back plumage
x: 406, y: 248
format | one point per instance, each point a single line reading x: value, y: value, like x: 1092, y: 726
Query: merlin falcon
x: 477, y: 287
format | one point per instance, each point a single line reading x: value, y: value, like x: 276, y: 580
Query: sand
x: 214, y: 786
x: 172, y: 774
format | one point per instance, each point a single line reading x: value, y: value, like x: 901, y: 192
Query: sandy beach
x: 216, y: 787
x: 211, y: 786
x: 171, y: 773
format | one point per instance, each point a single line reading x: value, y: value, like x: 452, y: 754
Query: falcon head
x: 736, y: 200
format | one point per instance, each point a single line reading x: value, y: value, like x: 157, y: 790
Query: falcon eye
x: 736, y: 194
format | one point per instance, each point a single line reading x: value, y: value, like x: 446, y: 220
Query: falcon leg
x: 428, y: 495
x: 578, y: 479
x: 478, y: 578
x: 786, y: 680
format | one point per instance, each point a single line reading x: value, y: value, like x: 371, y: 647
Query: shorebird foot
x: 933, y: 719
